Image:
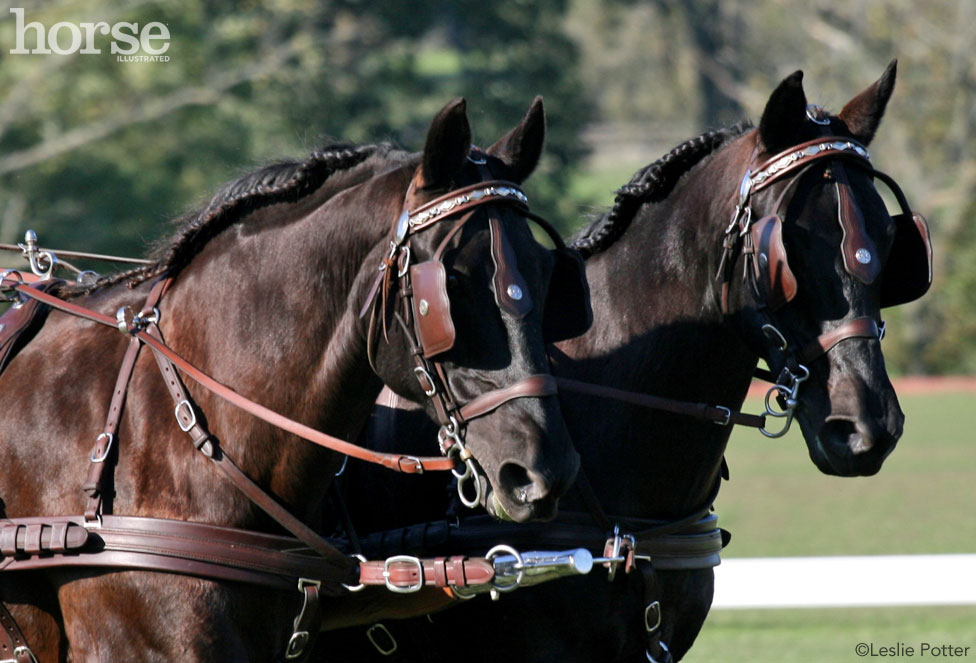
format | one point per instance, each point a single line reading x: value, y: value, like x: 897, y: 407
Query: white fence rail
x: 811, y: 582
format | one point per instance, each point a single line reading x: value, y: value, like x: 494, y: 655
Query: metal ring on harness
x: 789, y: 394
x: 519, y: 566
x: 360, y: 587
x: 8, y: 293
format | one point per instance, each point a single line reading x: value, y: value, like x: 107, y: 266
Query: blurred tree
x: 98, y: 153
x: 95, y: 152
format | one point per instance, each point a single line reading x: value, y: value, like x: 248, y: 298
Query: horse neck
x: 659, y: 331
x: 271, y: 308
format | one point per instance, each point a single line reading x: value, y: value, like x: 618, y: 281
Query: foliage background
x: 99, y: 154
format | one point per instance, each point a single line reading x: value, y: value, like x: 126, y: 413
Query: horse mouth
x: 503, y: 508
x: 844, y: 448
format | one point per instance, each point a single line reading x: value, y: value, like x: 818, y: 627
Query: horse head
x: 823, y: 257
x: 464, y: 317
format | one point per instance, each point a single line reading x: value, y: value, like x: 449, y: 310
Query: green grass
x: 828, y: 636
x: 779, y: 504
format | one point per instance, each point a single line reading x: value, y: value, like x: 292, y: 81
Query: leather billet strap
x: 396, y: 462
x: 411, y: 572
x: 13, y: 644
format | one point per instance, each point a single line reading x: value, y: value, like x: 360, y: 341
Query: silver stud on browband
x: 514, y: 292
x: 863, y: 256
x: 423, y: 307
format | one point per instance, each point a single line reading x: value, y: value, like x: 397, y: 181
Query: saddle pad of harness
x: 21, y: 321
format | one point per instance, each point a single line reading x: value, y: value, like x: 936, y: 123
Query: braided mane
x: 649, y: 184
x: 281, y: 182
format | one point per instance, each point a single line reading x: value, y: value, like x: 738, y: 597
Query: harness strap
x: 408, y: 572
x: 396, y: 462
x: 533, y: 386
x: 13, y: 644
x: 204, y: 442
x: 98, y: 484
x: 222, y: 553
x: 863, y: 327
x: 714, y: 413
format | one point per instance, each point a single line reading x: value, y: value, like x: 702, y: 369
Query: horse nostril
x: 523, y: 485
x: 849, y: 433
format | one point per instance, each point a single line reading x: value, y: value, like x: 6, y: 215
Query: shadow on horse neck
x: 664, y: 325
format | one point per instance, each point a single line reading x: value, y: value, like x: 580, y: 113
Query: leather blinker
x: 908, y: 272
x: 776, y: 281
x: 432, y: 307
x: 568, y: 312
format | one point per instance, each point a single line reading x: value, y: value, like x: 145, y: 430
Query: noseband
x: 424, y: 313
x: 767, y: 266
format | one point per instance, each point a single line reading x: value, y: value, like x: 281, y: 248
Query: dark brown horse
x: 657, y: 265
x: 270, y: 283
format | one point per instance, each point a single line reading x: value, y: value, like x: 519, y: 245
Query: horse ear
x: 521, y: 147
x: 784, y: 114
x: 862, y: 114
x: 447, y: 146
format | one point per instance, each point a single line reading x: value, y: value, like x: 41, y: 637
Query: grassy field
x: 778, y: 504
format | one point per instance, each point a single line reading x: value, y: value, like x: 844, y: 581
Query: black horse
x: 270, y: 289
x: 739, y: 244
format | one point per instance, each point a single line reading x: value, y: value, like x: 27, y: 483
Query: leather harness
x: 107, y: 541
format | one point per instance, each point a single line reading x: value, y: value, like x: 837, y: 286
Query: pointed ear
x: 862, y: 114
x: 521, y: 147
x: 447, y: 146
x: 784, y: 114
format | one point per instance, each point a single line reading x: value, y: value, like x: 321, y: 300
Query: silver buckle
x: 193, y: 415
x: 23, y: 649
x: 409, y: 559
x: 728, y: 415
x: 431, y: 387
x: 108, y: 447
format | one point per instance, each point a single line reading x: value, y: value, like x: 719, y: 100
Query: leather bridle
x: 791, y: 165
x: 424, y: 312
